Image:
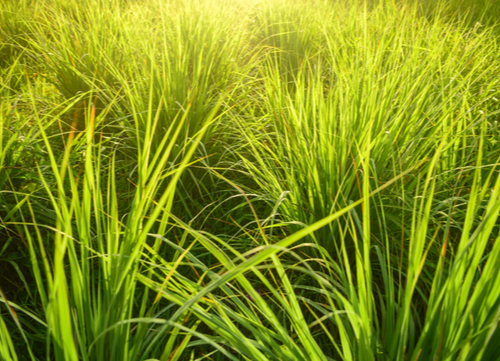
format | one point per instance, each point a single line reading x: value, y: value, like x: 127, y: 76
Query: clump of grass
x: 373, y: 87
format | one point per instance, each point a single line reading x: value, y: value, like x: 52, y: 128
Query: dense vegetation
x: 249, y: 180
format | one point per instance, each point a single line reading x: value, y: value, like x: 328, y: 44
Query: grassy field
x: 250, y: 180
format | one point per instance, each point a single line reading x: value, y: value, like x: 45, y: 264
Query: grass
x: 249, y: 180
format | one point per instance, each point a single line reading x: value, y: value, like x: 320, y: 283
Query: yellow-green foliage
x: 249, y: 180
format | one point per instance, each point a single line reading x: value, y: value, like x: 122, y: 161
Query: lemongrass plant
x: 97, y: 290
x: 389, y: 88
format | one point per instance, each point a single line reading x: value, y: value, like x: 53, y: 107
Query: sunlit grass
x: 249, y: 180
